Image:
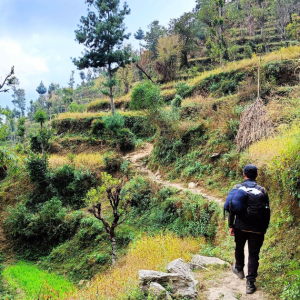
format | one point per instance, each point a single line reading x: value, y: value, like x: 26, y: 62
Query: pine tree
x: 19, y: 101
x: 102, y: 32
x: 41, y: 89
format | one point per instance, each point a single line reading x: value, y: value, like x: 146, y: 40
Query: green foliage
x: 21, y: 127
x: 126, y: 140
x: 40, y: 116
x: 41, y: 89
x: 37, y: 140
x: 113, y: 161
x: 98, y: 127
x: 139, y: 126
x: 292, y: 289
x: 37, y: 167
x: 183, y: 90
x: 176, y: 102
x: 32, y: 232
x: 293, y: 29
x: 146, y: 96
x: 114, y: 122
x: 33, y: 282
x: 75, y: 107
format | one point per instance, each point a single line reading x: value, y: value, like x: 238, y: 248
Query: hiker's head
x: 250, y: 172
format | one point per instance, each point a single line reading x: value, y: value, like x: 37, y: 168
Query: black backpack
x: 258, y: 210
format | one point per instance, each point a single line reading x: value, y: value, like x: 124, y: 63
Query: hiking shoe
x: 239, y: 274
x: 250, y: 287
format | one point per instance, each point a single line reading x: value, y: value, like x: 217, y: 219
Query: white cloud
x: 26, y: 64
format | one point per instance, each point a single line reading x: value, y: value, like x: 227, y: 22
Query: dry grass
x: 91, y: 161
x: 150, y: 253
x: 264, y: 151
x: 291, y: 52
x: 255, y: 124
x: 84, y: 115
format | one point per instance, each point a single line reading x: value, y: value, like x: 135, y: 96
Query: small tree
x: 119, y: 205
x: 21, y: 128
x: 103, y: 33
x: 113, y: 124
x: 41, y: 117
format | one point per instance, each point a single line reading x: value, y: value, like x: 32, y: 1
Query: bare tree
x: 9, y: 79
x: 119, y: 210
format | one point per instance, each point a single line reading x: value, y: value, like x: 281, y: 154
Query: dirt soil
x: 227, y: 286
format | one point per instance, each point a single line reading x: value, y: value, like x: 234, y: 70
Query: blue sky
x: 37, y: 36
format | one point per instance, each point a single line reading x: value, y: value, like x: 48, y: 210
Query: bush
x: 126, y: 140
x: 113, y: 161
x: 98, y: 105
x: 37, y: 167
x: 35, y: 141
x: 114, y: 122
x: 176, y: 103
x: 139, y: 125
x: 146, y: 96
x: 98, y: 127
x: 75, y: 107
x: 183, y: 90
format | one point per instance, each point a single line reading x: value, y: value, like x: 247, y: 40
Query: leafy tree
x: 113, y: 124
x: 155, y: 32
x: 41, y: 89
x: 19, y: 100
x: 139, y: 35
x: 21, y: 128
x: 103, y: 32
x: 40, y: 117
x: 82, y: 76
x: 188, y: 28
x: 293, y: 29
x: 72, y: 80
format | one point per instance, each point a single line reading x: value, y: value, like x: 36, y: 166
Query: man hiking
x: 249, y: 217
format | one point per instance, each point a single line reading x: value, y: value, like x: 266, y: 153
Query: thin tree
x: 21, y: 128
x: 119, y: 210
x: 8, y: 80
x: 102, y: 32
x: 40, y: 117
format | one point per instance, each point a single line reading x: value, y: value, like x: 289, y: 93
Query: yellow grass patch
x: 149, y: 253
x: 291, y: 52
x: 91, y: 161
x: 266, y: 150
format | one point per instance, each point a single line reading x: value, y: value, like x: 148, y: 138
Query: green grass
x: 32, y: 283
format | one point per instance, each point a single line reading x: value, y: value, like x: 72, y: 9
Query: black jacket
x: 242, y: 223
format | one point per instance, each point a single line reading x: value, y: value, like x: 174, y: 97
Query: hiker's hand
x: 231, y: 231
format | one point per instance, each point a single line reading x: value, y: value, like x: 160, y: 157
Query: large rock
x: 157, y: 290
x: 180, y: 267
x: 206, y: 260
x: 192, y: 185
x: 180, y: 284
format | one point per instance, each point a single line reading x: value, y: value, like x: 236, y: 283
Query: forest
x: 129, y: 169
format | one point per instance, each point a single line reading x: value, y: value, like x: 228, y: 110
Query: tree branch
x: 7, y: 77
x: 141, y: 69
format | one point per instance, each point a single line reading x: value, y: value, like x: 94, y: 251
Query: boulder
x: 180, y: 267
x: 192, y: 185
x: 179, y: 284
x: 157, y: 290
x: 195, y: 266
x: 206, y: 260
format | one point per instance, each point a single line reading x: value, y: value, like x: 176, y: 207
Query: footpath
x: 225, y: 285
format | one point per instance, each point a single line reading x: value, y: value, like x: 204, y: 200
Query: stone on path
x: 180, y: 267
x: 180, y: 284
x: 206, y: 260
x: 217, y: 294
x: 158, y: 290
x: 192, y: 185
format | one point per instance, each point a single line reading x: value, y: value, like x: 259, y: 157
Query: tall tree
x: 155, y: 32
x: 41, y: 89
x: 139, y: 35
x: 72, y: 80
x: 19, y: 100
x: 102, y: 32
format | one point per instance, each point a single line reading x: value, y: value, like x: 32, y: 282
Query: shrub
x: 113, y: 161
x: 98, y: 127
x: 36, y: 141
x: 183, y: 90
x: 37, y: 167
x: 98, y: 105
x: 126, y: 140
x: 146, y: 96
x: 75, y: 107
x: 177, y: 101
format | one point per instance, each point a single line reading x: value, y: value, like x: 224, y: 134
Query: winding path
x: 228, y: 287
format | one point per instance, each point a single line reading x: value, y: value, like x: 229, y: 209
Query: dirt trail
x: 227, y: 287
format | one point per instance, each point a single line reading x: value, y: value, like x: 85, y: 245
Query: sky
x: 37, y: 37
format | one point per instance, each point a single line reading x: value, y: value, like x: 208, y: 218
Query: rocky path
x: 227, y: 286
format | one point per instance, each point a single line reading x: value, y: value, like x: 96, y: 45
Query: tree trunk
x: 114, y: 256
x: 141, y: 69
x: 111, y: 91
x: 42, y: 138
x: 117, y: 142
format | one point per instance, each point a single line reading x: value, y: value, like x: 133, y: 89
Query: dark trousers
x: 255, y: 241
